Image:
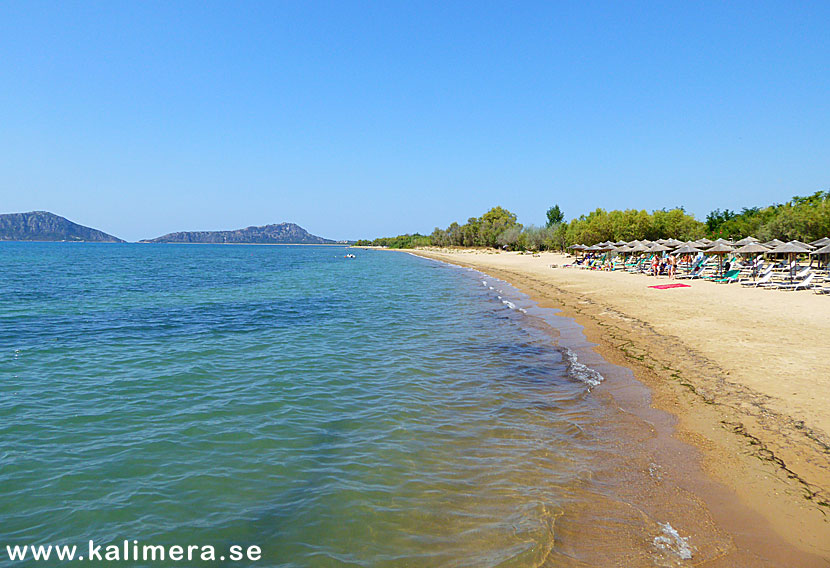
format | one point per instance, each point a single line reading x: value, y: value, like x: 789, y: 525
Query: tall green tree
x: 555, y: 216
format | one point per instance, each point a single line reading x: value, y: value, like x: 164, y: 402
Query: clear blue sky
x: 368, y: 119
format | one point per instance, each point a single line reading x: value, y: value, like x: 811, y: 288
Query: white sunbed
x: 764, y: 279
x: 803, y: 285
x: 802, y: 274
x: 696, y: 272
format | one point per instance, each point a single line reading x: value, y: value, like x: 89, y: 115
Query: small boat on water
x: 350, y: 256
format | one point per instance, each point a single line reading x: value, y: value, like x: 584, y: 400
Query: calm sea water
x: 379, y: 411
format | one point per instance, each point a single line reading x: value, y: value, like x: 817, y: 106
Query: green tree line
x: 802, y: 218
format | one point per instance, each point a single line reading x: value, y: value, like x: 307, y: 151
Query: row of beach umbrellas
x: 748, y: 245
x: 720, y: 247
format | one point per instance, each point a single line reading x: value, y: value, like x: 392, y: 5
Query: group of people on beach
x: 666, y: 266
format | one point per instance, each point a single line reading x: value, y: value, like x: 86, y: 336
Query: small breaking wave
x: 580, y: 371
x: 671, y: 542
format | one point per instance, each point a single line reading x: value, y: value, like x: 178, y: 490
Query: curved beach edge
x: 773, y: 454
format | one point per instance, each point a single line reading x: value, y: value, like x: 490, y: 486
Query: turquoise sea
x: 386, y: 410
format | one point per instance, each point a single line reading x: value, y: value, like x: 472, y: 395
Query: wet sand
x: 745, y: 372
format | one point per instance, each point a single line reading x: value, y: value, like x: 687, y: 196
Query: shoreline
x: 775, y: 464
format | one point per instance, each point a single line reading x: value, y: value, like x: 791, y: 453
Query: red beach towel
x: 666, y: 286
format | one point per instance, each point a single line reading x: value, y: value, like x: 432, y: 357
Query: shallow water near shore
x: 385, y: 410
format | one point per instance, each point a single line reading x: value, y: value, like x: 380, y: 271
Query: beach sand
x: 745, y: 371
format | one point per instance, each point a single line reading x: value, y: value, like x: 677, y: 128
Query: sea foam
x: 581, y: 371
x: 671, y: 541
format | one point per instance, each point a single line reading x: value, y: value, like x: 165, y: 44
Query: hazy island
x: 282, y: 233
x: 45, y: 226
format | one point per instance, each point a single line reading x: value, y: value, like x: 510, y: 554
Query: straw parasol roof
x: 720, y: 248
x: 805, y: 245
x: 746, y: 241
x: 687, y: 248
x: 791, y: 247
x: 577, y: 247
x: 821, y: 242
x: 751, y: 248
x: 639, y: 247
x: 673, y: 242
x: 823, y: 250
x: 773, y: 243
x: 657, y: 247
x: 621, y: 243
x: 704, y: 241
x: 722, y: 242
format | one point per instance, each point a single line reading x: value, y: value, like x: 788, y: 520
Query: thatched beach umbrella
x: 687, y: 248
x: 657, y: 247
x: 822, y: 251
x: 821, y: 242
x: 720, y: 250
x: 773, y: 243
x: 753, y: 248
x: 746, y: 241
x: 805, y: 245
x: 791, y: 249
x: 624, y: 250
x: 704, y: 240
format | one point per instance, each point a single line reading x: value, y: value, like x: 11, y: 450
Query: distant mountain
x: 283, y: 233
x: 45, y: 226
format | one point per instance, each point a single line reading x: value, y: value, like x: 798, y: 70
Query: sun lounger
x: 802, y: 274
x: 803, y: 285
x: 696, y: 273
x: 730, y: 276
x: 760, y: 282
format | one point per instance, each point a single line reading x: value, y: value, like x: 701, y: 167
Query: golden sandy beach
x: 746, y: 371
